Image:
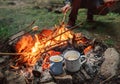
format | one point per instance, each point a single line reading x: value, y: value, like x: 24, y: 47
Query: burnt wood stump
x: 66, y: 79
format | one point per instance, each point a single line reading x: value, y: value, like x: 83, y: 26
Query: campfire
x: 31, y: 48
x: 33, y: 53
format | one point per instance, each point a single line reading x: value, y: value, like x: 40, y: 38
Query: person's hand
x: 66, y: 8
x: 109, y: 3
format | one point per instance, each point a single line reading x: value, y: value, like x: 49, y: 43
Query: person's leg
x: 89, y: 16
x: 92, y: 6
x: 74, y: 12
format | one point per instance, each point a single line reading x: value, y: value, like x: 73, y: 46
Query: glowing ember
x: 32, y: 47
x: 88, y: 49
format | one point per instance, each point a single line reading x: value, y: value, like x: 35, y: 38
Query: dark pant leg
x: 74, y: 11
x: 91, y: 8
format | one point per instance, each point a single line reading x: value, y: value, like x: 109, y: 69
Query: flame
x: 88, y: 49
x: 32, y: 47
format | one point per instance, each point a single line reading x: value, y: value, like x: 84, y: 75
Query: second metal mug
x: 73, y: 60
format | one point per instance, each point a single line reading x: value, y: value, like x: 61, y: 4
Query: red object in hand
x: 110, y: 3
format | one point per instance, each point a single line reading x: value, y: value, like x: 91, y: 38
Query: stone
x: 36, y: 73
x: 14, y: 78
x: 66, y: 79
x: 50, y: 83
x: 2, y: 78
x: 6, y: 57
x: 1, y: 75
x: 46, y: 77
x: 97, y: 48
x: 94, y: 60
x: 2, y: 59
x: 110, y: 65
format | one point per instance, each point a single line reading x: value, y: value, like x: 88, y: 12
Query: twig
x: 11, y: 53
x: 25, y: 27
x: 6, y: 41
x: 23, y: 30
x: 50, y: 47
x: 20, y: 36
x: 53, y: 46
x: 74, y: 27
x: 64, y: 17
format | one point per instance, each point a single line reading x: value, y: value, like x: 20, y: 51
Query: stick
x: 5, y: 42
x: 28, y: 53
x: 64, y: 17
x: 74, y: 27
x: 11, y: 53
x: 25, y: 27
x: 20, y: 36
x: 23, y: 30
x: 53, y: 46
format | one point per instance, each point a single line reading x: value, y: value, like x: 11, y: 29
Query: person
x: 75, y: 5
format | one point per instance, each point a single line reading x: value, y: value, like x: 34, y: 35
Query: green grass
x: 13, y: 20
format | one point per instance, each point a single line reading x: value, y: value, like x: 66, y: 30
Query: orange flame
x: 32, y: 47
x: 88, y: 49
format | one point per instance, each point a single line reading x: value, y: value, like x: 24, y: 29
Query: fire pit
x: 32, y: 57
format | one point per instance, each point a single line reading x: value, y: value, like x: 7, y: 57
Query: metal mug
x: 73, y: 60
x: 56, y: 65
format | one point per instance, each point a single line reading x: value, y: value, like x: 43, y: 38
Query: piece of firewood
x: 66, y: 79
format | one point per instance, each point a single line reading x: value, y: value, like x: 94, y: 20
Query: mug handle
x: 82, y: 56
